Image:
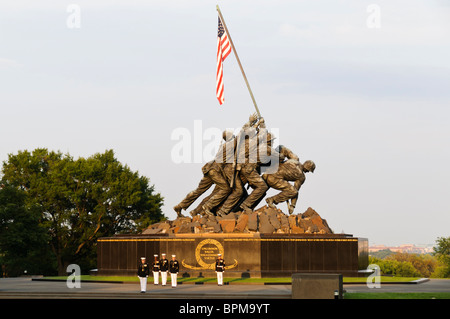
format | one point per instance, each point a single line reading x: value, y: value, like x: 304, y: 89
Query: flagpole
x: 239, y: 61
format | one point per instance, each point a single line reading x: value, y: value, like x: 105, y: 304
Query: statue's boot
x: 270, y: 202
x: 178, y: 209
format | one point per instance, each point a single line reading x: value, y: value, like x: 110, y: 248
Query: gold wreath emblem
x: 201, y: 262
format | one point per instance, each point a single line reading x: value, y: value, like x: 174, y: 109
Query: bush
x: 436, y: 265
x: 424, y: 264
x: 395, y: 268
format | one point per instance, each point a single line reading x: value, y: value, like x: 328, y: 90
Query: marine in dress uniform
x: 156, y: 270
x: 220, y: 268
x: 163, y: 267
x: 174, y: 267
x: 143, y: 271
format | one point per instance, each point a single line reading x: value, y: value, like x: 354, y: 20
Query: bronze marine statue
x: 248, y: 159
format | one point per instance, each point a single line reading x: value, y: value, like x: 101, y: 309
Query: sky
x: 362, y: 88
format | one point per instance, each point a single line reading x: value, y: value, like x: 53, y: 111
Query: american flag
x: 223, y: 50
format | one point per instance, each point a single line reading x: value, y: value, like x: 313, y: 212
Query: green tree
x: 395, y: 268
x: 82, y: 200
x: 423, y: 264
x: 406, y: 269
x: 442, y: 253
x: 23, y: 241
x: 381, y: 254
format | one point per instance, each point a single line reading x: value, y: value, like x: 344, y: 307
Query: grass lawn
x: 398, y: 295
x: 383, y: 279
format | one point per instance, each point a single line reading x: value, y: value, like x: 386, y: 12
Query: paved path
x: 26, y: 288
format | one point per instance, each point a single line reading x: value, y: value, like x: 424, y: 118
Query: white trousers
x: 219, y: 277
x: 156, y: 277
x: 173, y: 278
x: 143, y: 281
x: 163, y: 278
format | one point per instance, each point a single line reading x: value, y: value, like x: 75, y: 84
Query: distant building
x: 405, y: 248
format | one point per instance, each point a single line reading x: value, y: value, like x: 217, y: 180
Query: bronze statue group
x: 248, y: 159
x: 244, y: 161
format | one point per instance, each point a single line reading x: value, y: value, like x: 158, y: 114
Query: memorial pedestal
x: 246, y: 254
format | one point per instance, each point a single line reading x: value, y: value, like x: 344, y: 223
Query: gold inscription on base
x: 206, y: 255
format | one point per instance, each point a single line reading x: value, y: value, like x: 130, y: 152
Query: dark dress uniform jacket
x: 174, y: 266
x: 220, y: 265
x: 163, y: 265
x: 143, y: 270
x: 156, y: 265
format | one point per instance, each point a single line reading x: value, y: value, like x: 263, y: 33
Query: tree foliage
x: 442, y: 253
x: 424, y: 264
x: 381, y: 254
x: 394, y: 267
x: 80, y: 200
x: 23, y: 241
x: 411, y: 265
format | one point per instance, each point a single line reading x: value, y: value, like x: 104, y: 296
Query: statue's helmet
x: 252, y: 119
x: 279, y: 148
x: 309, y: 166
x: 227, y: 135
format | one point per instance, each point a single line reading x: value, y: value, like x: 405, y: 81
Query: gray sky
x: 369, y: 105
